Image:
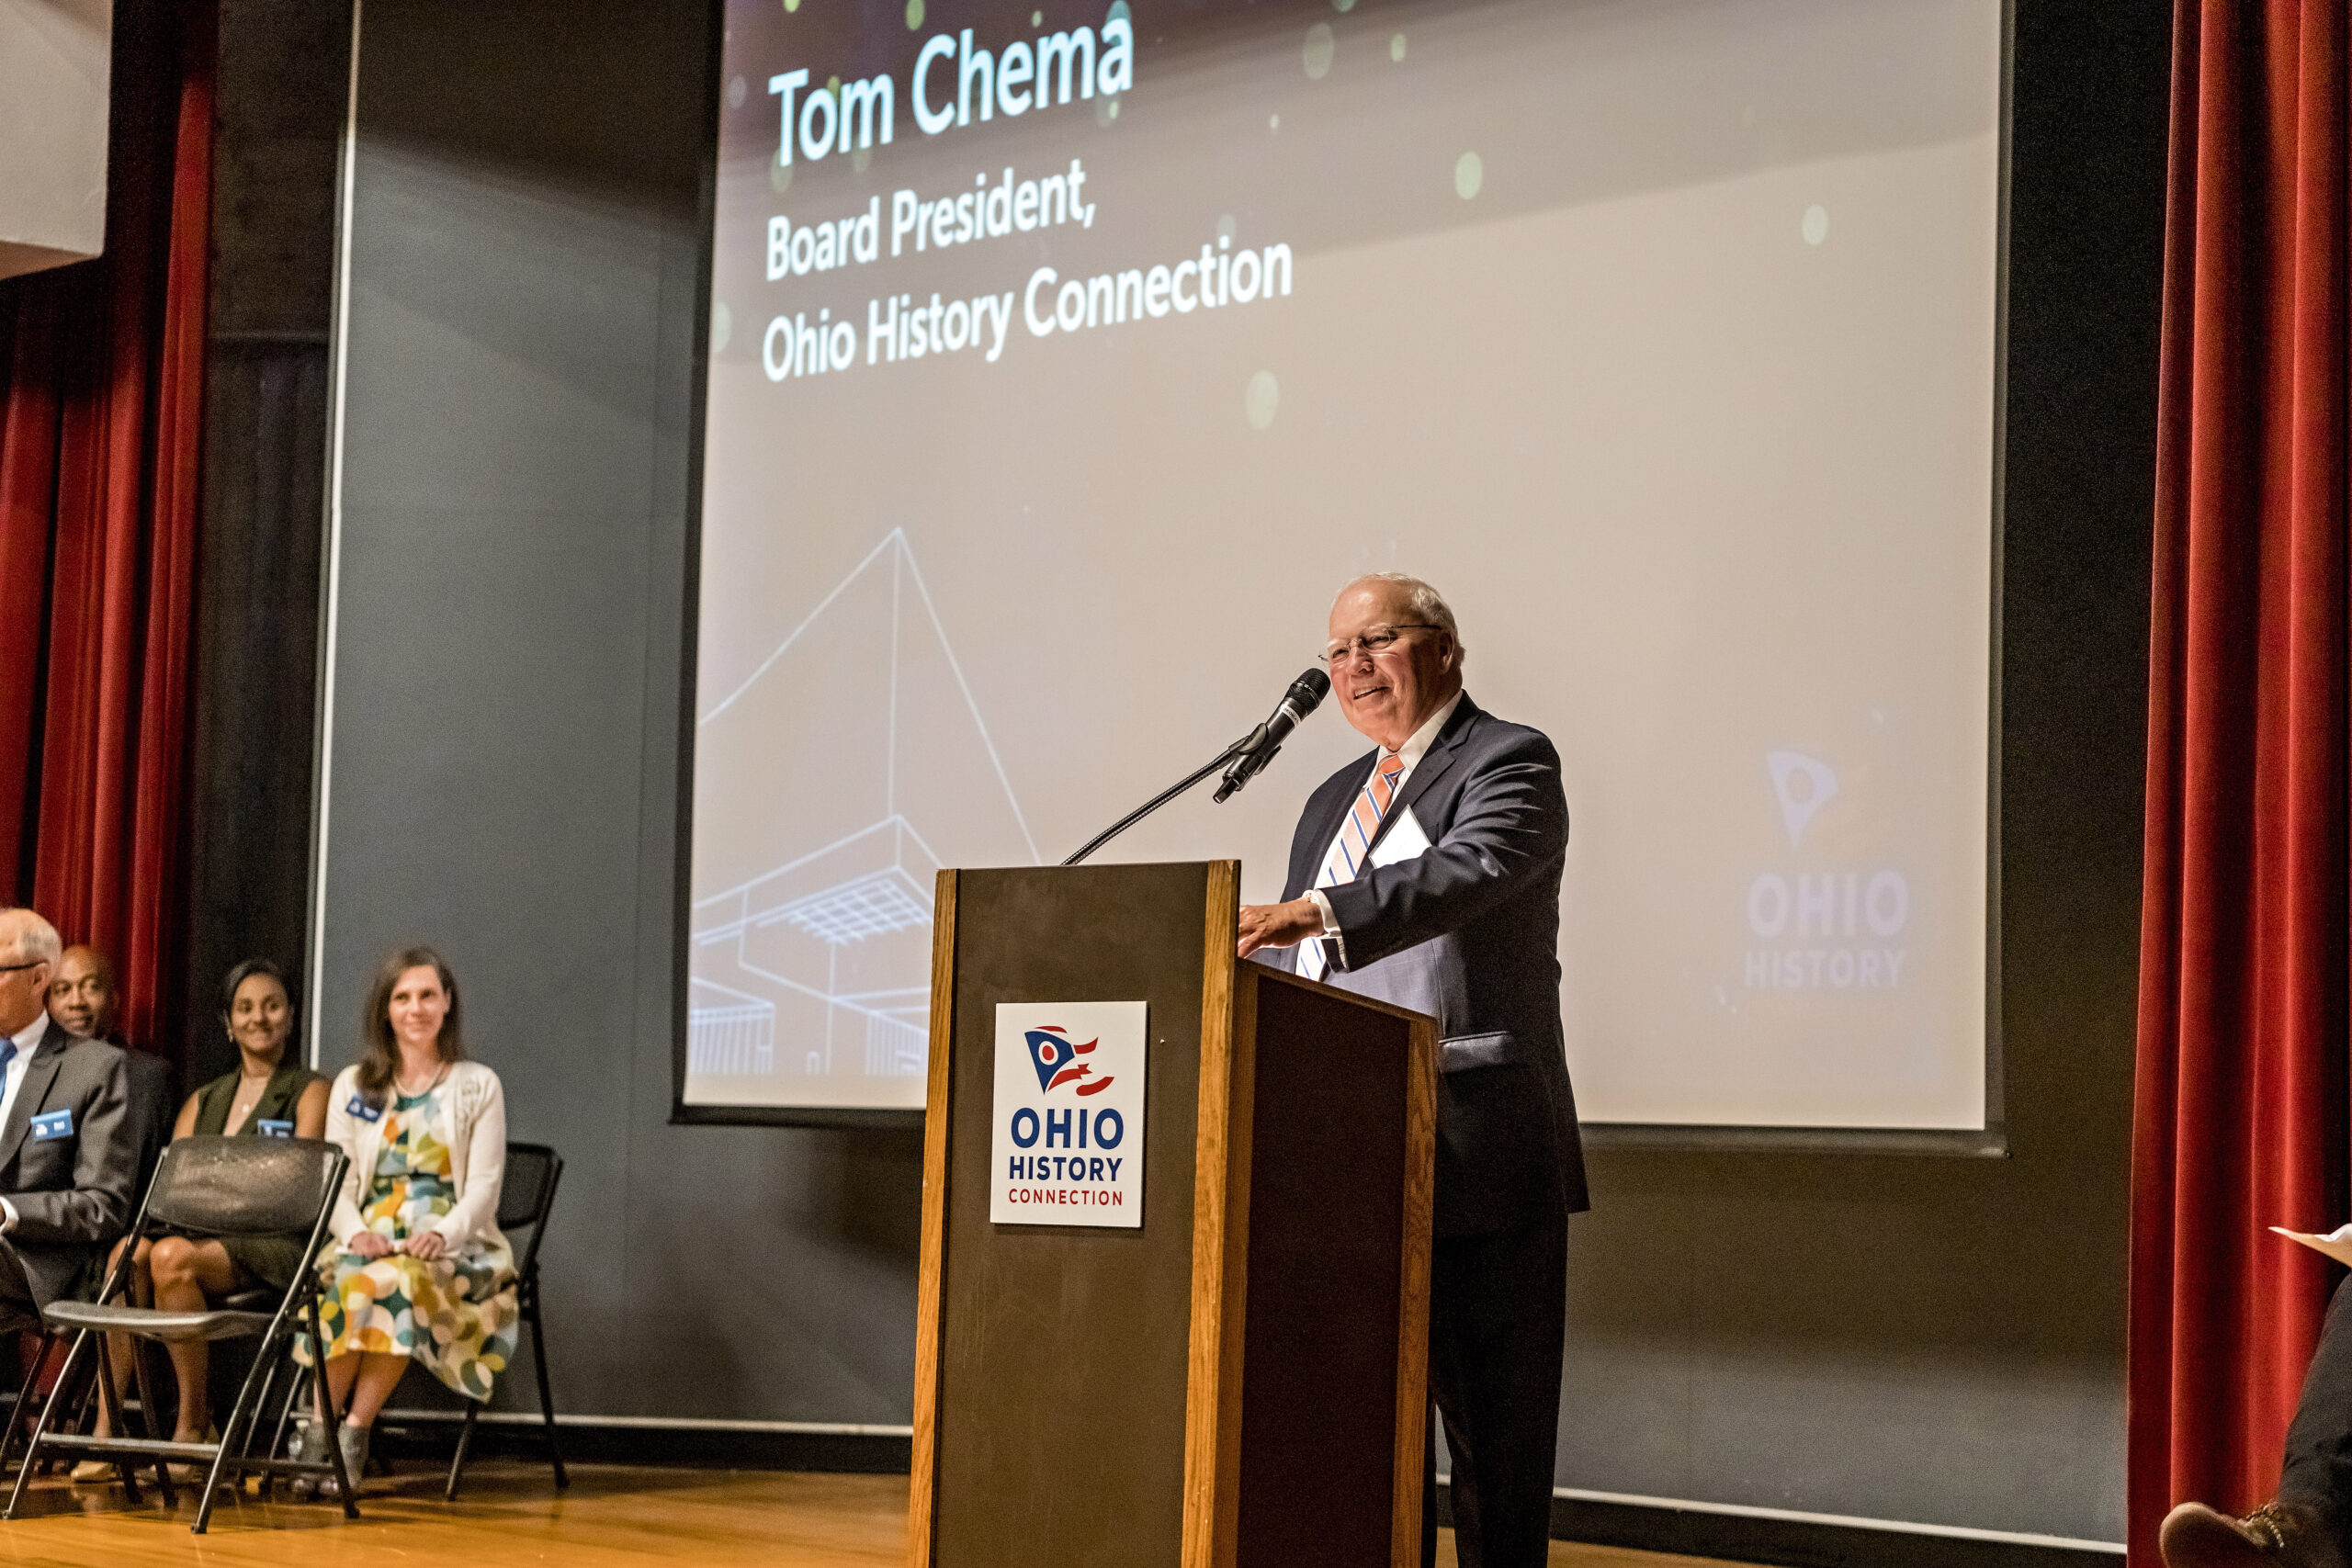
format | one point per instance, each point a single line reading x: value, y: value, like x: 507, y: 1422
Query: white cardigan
x: 474, y: 1125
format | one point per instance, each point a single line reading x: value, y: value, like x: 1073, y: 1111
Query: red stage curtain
x: 100, y: 412
x: 2240, y: 1120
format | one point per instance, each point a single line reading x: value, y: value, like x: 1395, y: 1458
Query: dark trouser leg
x: 1497, y: 1314
x: 1429, y: 1493
x: 15, y: 1286
x: 2318, y: 1472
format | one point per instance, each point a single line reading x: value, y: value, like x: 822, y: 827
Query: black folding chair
x: 209, y: 1187
x: 532, y: 1172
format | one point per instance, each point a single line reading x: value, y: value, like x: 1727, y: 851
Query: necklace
x: 408, y: 1093
x: 248, y: 1099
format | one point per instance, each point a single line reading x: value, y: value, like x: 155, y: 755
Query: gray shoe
x: 354, y: 1442
x: 310, y: 1447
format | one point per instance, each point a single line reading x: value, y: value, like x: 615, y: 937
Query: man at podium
x: 1427, y: 873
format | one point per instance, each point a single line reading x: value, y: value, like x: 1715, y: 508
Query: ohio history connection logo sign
x: 1067, y: 1148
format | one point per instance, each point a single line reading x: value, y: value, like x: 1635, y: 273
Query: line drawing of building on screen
x: 830, y: 786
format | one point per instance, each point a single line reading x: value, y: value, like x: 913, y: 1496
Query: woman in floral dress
x: 420, y: 1271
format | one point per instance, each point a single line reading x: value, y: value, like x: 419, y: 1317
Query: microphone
x: 1305, y: 694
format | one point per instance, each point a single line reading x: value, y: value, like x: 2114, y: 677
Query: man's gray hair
x: 30, y: 939
x: 1423, y: 602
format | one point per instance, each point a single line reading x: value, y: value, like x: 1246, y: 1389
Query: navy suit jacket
x: 1468, y: 931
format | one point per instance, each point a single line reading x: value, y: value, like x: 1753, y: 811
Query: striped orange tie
x: 1349, y: 849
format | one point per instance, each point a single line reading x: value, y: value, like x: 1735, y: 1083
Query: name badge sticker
x: 365, y: 1111
x: 272, y: 1129
x: 54, y: 1124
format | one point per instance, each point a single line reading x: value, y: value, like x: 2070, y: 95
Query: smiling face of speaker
x: 1389, y: 694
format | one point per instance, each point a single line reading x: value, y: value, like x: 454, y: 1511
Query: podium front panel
x: 1060, y: 1424
x: 1331, y: 1183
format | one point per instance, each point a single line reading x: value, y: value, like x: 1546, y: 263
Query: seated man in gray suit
x: 68, y: 1153
x: 1427, y: 873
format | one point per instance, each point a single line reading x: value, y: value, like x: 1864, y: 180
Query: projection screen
x: 1064, y: 362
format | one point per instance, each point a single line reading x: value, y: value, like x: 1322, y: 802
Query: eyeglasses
x: 1378, y: 639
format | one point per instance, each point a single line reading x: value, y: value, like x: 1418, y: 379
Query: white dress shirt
x: 1416, y: 746
x: 27, y: 1039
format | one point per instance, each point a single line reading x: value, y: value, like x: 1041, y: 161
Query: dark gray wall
x: 522, y: 301
x: 1934, y: 1340
x: 282, y: 84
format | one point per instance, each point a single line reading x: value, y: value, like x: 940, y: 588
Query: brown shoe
x: 2276, y: 1535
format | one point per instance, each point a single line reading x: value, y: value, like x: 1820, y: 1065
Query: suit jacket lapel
x: 1327, y: 827
x: 1430, y: 769
x: 38, y: 1073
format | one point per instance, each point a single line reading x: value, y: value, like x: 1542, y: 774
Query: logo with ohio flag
x: 1067, y: 1146
x: 1058, y: 1062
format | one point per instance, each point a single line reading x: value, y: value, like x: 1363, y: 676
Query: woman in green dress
x: 270, y: 1094
x: 420, y: 1271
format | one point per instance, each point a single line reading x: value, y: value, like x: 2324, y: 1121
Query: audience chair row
x: 344, y: 1231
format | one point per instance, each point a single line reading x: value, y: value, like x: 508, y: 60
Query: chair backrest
x: 244, y: 1186
x: 528, y: 1193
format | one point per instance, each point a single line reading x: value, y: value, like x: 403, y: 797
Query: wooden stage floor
x: 511, y: 1515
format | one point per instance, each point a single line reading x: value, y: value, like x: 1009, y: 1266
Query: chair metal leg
x: 261, y: 1416
x: 17, y: 1412
x: 347, y: 1483
x: 151, y: 1420
x: 244, y: 1415
x: 546, y: 1396
x: 465, y: 1442
x: 48, y: 1413
x: 79, y: 1413
x: 294, y: 1385
x: 118, y: 1419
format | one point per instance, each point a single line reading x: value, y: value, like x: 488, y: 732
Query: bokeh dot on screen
x: 791, y: 5
x: 1344, y: 6
x: 1273, y: 122
x: 914, y: 15
x: 1396, y: 49
x: 1315, y: 53
x: 779, y: 173
x: 722, y: 326
x: 1816, y: 227
x: 1259, y: 401
x: 1105, y: 111
x: 861, y: 160
x: 1036, y: 19
x: 1469, y: 174
x: 737, y: 89
x: 1225, y: 227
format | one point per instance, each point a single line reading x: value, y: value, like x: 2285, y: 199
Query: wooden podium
x: 1237, y: 1381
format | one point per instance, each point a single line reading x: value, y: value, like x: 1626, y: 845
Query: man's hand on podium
x: 1278, y: 925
